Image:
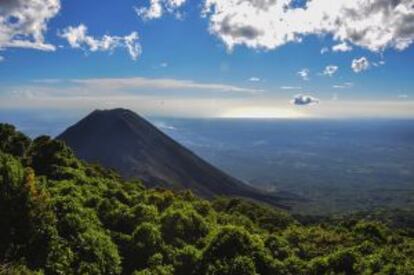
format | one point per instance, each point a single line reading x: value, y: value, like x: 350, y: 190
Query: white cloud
x: 164, y: 126
x: 304, y: 100
x: 324, y: 50
x: 164, y: 65
x: 86, y: 98
x: 304, y: 74
x: 268, y: 24
x: 23, y: 23
x: 254, y: 79
x: 158, y: 83
x: 153, y: 11
x: 403, y: 96
x: 157, y: 8
x: 379, y: 63
x: 78, y: 37
x: 330, y: 70
x: 1, y: 58
x: 291, y: 88
x: 151, y: 96
x: 132, y: 45
x: 342, y: 47
x: 345, y: 85
x: 360, y: 65
x: 48, y: 81
x: 120, y: 86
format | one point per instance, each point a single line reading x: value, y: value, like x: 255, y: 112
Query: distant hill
x: 122, y: 140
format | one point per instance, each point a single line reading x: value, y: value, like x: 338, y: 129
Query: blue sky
x: 228, y: 61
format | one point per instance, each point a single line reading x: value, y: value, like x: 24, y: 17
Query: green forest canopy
x: 60, y: 215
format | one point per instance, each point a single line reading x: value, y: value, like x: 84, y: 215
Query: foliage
x: 60, y: 215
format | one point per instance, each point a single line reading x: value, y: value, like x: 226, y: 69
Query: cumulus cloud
x: 157, y: 8
x: 360, y: 65
x: 342, y: 47
x: 268, y: 24
x: 78, y: 38
x: 23, y: 23
x: 304, y: 100
x: 330, y: 70
x: 153, y: 11
x: 304, y: 74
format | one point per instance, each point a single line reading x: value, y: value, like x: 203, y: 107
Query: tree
x: 186, y: 260
x: 278, y: 246
x: 371, y: 230
x: 146, y: 241
x: 46, y: 155
x: 28, y: 222
x: 180, y: 226
x: 229, y: 243
x: 240, y: 265
x: 13, y: 142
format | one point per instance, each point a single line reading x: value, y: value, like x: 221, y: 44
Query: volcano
x: 124, y: 141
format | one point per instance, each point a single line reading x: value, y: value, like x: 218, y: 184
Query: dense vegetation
x: 62, y: 216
